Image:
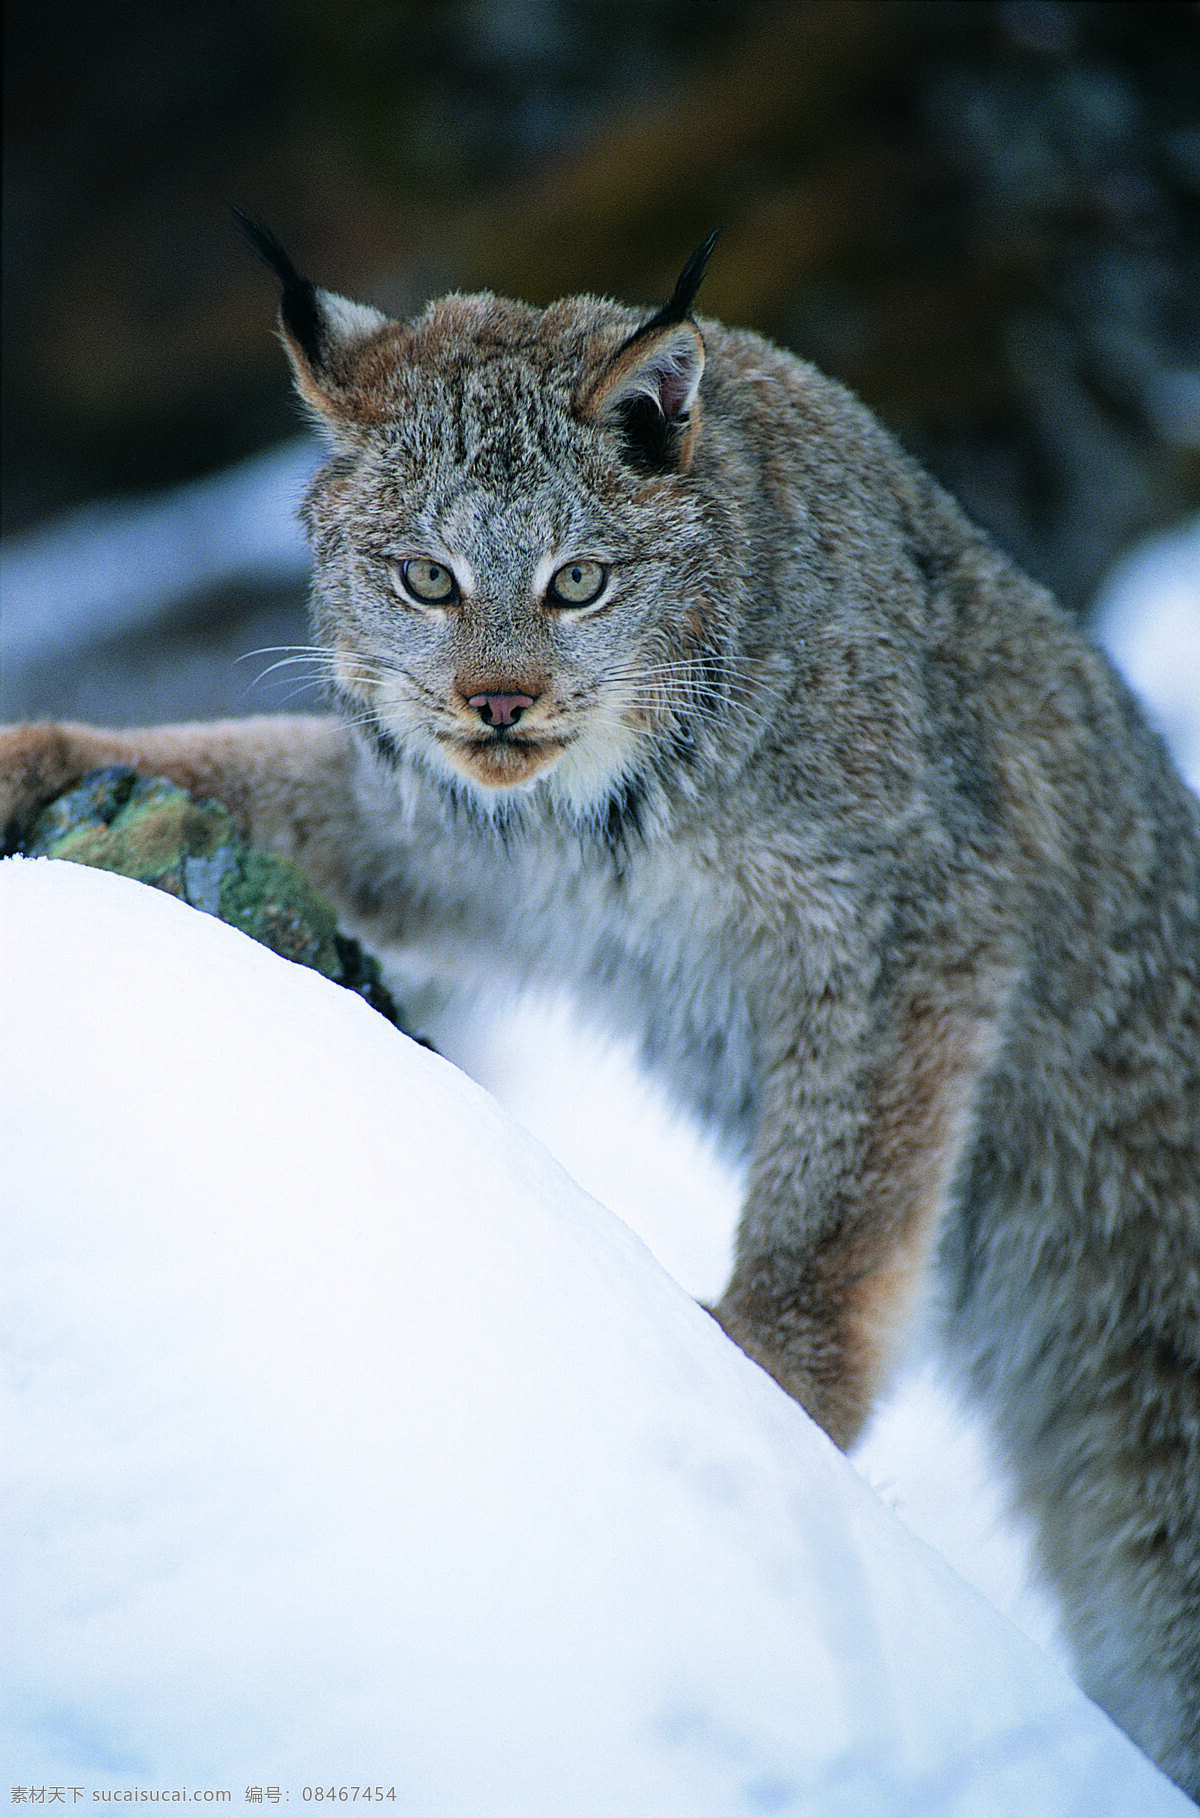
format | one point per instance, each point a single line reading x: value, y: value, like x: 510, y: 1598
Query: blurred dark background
x: 984, y: 215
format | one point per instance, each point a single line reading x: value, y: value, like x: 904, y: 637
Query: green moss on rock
x: 149, y: 829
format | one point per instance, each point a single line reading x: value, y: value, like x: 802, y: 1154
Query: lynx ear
x: 320, y: 329
x: 647, y: 390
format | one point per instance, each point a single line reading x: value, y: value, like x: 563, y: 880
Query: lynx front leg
x: 286, y: 780
x: 861, y: 1131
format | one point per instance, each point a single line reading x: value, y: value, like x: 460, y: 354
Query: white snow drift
x: 350, y: 1442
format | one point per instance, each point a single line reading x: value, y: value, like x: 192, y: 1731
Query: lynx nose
x: 500, y: 709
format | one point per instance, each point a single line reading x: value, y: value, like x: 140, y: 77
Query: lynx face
x: 515, y: 566
x: 492, y: 618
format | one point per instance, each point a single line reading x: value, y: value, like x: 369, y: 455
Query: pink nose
x: 500, y: 709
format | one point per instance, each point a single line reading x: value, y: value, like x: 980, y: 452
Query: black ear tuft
x: 298, y: 308
x: 647, y: 389
x: 679, y: 305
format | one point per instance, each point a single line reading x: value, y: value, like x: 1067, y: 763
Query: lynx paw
x: 37, y: 762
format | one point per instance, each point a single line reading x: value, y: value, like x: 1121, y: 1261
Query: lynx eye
x: 578, y: 583
x: 428, y: 582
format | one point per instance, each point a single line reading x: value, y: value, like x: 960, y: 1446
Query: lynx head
x: 521, y: 560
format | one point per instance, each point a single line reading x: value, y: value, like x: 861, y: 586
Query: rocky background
x: 984, y: 215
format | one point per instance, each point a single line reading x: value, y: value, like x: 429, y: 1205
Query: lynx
x: 661, y: 671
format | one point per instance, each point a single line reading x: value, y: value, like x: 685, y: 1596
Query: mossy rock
x: 149, y: 829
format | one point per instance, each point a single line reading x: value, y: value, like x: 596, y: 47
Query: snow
x: 120, y: 565
x: 351, y: 1442
x: 1148, y: 619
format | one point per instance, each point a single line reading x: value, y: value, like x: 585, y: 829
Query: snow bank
x: 350, y: 1442
x: 1147, y: 616
x: 119, y: 566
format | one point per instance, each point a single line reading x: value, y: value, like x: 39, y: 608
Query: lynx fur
x: 662, y: 671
